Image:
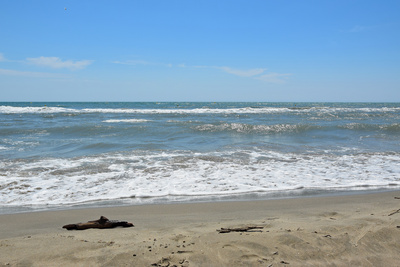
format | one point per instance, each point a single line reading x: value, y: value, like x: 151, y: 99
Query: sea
x: 62, y: 155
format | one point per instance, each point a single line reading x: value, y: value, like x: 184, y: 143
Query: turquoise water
x: 66, y: 154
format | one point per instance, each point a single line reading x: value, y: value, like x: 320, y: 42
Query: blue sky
x: 264, y: 50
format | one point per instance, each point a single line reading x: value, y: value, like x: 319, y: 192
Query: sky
x: 204, y: 50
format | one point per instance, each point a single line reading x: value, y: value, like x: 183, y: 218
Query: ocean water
x: 62, y: 155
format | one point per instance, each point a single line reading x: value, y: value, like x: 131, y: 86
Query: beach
x: 346, y: 230
x: 319, y: 182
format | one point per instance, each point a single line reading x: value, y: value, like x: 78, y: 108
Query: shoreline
x: 240, y: 197
x: 351, y: 229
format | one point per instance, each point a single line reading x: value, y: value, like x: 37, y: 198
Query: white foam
x: 178, y: 174
x: 44, y: 109
x: 245, y: 128
x: 18, y: 144
x: 246, y: 110
x: 185, y: 111
x: 126, y: 120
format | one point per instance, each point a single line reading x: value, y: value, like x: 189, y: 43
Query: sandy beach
x: 351, y: 230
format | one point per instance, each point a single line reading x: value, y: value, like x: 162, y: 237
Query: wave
x: 206, y: 110
x: 143, y: 174
x: 248, y: 128
x: 127, y: 120
x: 44, y: 109
x: 391, y: 128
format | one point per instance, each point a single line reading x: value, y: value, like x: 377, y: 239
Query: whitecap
x: 126, y: 120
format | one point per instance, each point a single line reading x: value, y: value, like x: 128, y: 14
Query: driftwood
x: 101, y: 223
x: 394, y: 212
x: 239, y: 229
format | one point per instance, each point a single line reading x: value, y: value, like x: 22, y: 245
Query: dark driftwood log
x: 239, y: 229
x: 394, y: 212
x: 101, y: 223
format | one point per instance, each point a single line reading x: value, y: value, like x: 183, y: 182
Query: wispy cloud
x: 4, y: 59
x: 255, y: 73
x: 31, y: 74
x: 57, y: 63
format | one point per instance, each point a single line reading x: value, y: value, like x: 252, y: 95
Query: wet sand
x: 351, y: 230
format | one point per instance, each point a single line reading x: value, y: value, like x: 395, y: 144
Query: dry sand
x: 355, y: 230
